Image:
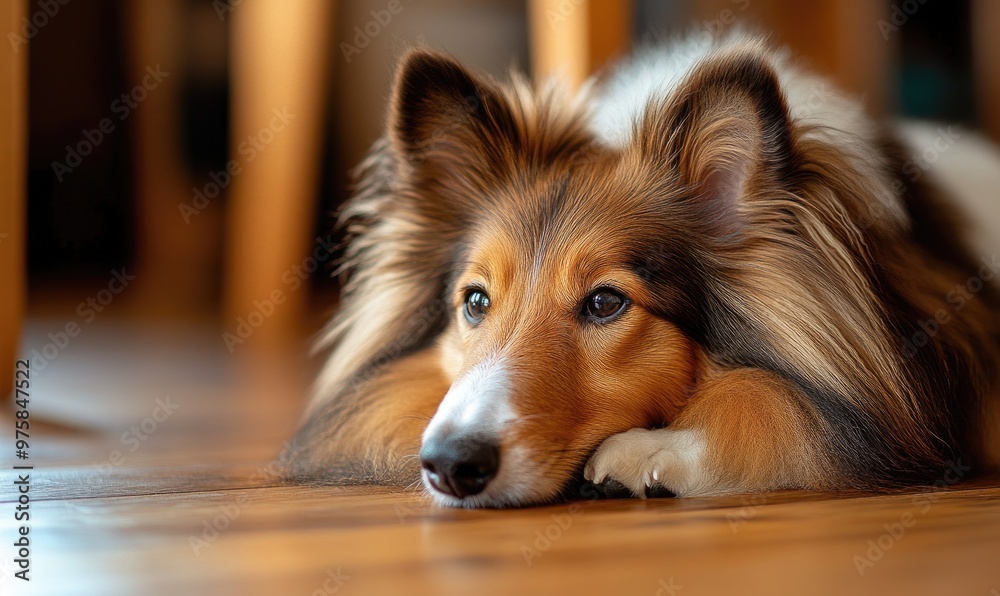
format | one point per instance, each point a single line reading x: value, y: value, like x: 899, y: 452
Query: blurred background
x: 169, y: 169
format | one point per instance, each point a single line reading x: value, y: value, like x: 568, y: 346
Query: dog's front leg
x: 745, y: 430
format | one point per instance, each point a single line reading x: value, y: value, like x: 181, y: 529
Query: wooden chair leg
x: 13, y: 155
x: 571, y: 39
x: 278, y: 88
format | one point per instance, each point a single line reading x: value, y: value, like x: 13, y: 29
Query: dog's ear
x: 724, y: 132
x: 441, y: 110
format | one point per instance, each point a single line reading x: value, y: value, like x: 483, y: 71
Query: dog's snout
x: 461, y: 466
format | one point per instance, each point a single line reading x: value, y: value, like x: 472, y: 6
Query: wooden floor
x: 195, y: 509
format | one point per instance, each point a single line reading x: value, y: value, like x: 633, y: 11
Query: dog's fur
x: 793, y: 320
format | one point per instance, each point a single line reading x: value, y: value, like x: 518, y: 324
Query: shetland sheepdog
x: 696, y: 276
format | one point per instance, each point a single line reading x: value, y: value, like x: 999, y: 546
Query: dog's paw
x: 651, y: 463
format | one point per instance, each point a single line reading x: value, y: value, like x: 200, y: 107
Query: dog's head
x: 575, y: 275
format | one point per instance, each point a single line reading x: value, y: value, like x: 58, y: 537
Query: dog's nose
x: 461, y: 466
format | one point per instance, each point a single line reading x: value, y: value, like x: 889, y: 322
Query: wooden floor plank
x: 285, y: 539
x: 198, y: 509
x: 88, y: 483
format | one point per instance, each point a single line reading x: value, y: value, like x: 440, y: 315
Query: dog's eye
x: 477, y: 303
x: 604, y: 304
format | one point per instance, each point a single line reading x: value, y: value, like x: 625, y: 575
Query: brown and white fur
x: 789, y: 319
